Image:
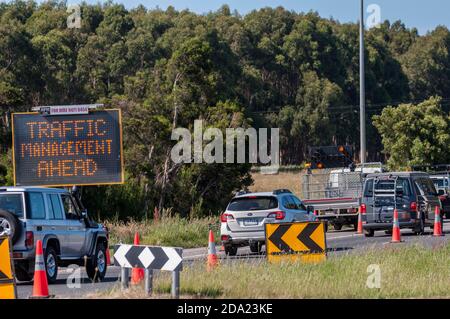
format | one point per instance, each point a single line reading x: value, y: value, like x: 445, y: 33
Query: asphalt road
x: 338, y: 242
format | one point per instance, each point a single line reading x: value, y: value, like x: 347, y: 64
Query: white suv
x: 242, y: 224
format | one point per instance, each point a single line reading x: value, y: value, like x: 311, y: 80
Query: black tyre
x: 96, y: 266
x: 231, y: 250
x: 420, y: 229
x: 388, y: 232
x: 22, y: 275
x: 369, y: 232
x: 256, y: 247
x: 9, y: 226
x: 337, y: 226
x: 51, y: 264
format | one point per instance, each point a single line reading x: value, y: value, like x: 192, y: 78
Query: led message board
x: 66, y: 150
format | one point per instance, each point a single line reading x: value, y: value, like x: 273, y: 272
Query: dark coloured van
x: 413, y: 195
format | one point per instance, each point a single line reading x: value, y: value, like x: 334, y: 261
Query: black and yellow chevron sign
x: 7, y: 282
x: 296, y: 241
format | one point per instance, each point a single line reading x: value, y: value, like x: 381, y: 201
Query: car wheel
x: 51, y: 264
x: 231, y: 250
x: 420, y: 230
x: 9, y: 226
x: 369, y: 232
x: 337, y: 226
x: 256, y: 247
x: 388, y: 232
x: 96, y: 266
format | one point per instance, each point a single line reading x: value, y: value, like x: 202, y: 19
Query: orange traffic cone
x: 437, y: 223
x: 362, y: 210
x: 137, y: 274
x: 40, y: 285
x: 212, y: 256
x: 396, y: 234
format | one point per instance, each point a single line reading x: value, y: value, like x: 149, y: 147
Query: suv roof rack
x: 242, y: 192
x: 281, y: 191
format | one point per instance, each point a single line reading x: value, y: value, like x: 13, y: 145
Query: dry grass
x: 406, y: 272
x: 267, y: 183
x: 169, y: 231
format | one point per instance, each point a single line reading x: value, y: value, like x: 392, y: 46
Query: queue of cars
x: 413, y: 194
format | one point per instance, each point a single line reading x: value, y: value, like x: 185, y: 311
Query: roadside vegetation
x: 406, y: 272
x: 168, y: 231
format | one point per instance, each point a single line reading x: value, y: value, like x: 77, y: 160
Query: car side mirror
x: 84, y: 214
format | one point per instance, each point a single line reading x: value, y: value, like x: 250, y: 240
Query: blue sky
x: 425, y: 15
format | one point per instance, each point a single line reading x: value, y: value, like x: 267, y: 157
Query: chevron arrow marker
x: 275, y: 238
x: 119, y: 256
x: 305, y: 238
x: 174, y: 259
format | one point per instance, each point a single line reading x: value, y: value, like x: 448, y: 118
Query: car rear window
x: 253, y: 203
x: 387, y: 185
x: 12, y: 203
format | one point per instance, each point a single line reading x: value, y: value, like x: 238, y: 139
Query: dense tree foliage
x: 166, y: 68
x: 415, y: 134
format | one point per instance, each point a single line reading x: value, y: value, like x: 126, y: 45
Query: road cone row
x: 137, y: 274
x: 40, y: 285
x: 437, y: 229
x: 212, y: 261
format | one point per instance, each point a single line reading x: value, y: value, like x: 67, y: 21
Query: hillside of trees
x: 166, y: 68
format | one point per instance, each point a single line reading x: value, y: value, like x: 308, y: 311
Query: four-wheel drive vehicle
x: 411, y: 193
x: 243, y: 221
x: 441, y: 183
x: 57, y: 218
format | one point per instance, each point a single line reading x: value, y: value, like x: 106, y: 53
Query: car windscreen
x: 253, y: 203
x: 12, y: 203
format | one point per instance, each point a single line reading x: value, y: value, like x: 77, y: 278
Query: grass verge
x: 169, y: 231
x: 406, y: 272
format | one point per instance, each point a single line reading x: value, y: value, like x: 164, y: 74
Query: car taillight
x: 29, y: 239
x: 225, y: 217
x: 363, y: 208
x: 277, y: 215
x: 413, y: 207
x: 225, y: 237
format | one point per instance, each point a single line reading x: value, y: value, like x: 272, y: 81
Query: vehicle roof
x: 402, y: 174
x: 31, y: 189
x: 261, y: 194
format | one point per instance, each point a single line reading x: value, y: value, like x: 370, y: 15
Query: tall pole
x: 362, y: 88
